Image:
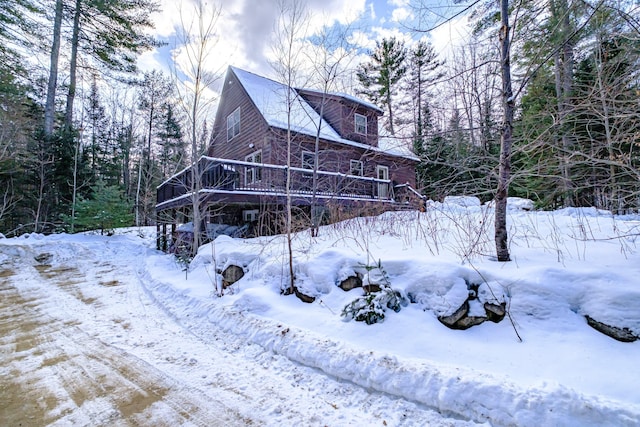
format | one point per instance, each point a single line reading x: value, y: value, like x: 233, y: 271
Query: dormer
x: 353, y: 118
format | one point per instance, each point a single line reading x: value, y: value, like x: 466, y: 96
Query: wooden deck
x: 239, y: 182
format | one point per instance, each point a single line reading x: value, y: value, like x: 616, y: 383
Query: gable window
x: 253, y: 175
x: 308, y: 160
x: 233, y: 124
x: 356, y: 168
x: 361, y: 124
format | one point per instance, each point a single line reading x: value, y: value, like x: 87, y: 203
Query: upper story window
x: 308, y: 160
x: 356, y: 168
x: 361, y: 124
x: 233, y: 124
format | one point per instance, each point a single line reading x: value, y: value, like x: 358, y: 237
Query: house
x: 336, y: 164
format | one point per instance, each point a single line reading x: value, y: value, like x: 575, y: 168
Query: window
x: 308, y: 160
x: 233, y: 124
x: 253, y: 175
x: 355, y: 168
x: 361, y: 124
x: 250, y: 215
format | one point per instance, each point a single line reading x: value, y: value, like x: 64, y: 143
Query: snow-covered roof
x: 348, y: 98
x: 270, y: 98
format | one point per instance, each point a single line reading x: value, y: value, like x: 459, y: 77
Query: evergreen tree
x: 112, y: 33
x: 381, y: 76
x: 96, y: 130
x: 105, y: 210
x: 423, y: 71
x: 173, y: 156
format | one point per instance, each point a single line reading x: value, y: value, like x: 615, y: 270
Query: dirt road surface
x: 83, y: 343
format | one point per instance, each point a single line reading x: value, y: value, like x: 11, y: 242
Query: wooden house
x: 264, y: 130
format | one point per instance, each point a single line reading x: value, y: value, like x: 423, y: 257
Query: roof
x: 347, y: 97
x: 270, y: 98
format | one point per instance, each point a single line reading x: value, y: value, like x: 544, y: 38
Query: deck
x: 239, y: 182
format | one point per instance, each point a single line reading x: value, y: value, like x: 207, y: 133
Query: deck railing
x: 226, y: 175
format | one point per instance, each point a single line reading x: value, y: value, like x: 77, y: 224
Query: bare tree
x: 508, y: 105
x: 197, y: 37
x: 331, y: 58
x: 291, y: 27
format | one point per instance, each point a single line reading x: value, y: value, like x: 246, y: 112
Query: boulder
x: 495, y: 312
x: 615, y: 332
x: 460, y: 319
x: 350, y: 282
x: 231, y: 275
x: 468, y: 321
x: 371, y: 288
x: 303, y: 297
x: 44, y: 258
x: 451, y: 320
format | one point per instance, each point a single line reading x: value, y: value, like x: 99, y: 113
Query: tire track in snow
x: 56, y: 370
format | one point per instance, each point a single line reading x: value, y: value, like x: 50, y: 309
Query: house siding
x: 252, y: 126
x: 340, y: 114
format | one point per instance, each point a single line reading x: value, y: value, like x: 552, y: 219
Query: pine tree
x: 423, y: 72
x: 173, y: 156
x: 381, y: 76
x: 105, y: 210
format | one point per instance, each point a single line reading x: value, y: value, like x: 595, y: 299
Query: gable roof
x: 270, y: 98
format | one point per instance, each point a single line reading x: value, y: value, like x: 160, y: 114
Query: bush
x: 105, y: 210
x: 371, y: 308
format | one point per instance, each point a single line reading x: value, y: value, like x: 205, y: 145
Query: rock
x: 450, y: 320
x: 231, y: 275
x: 620, y: 334
x: 44, y: 258
x: 371, y: 288
x: 350, y: 282
x: 302, y: 297
x: 468, y: 321
x: 495, y: 312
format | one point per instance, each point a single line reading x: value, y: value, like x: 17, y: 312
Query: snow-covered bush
x: 371, y: 308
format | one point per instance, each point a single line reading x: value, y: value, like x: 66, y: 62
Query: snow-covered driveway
x: 82, y: 342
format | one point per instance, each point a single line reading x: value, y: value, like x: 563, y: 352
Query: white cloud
x: 400, y: 14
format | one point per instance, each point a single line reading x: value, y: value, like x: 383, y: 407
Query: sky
x: 245, y: 29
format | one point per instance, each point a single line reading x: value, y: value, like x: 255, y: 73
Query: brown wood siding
x: 340, y: 114
x: 334, y: 157
x: 253, y: 127
x: 349, y: 124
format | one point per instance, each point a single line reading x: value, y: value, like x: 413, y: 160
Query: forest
x: 86, y: 136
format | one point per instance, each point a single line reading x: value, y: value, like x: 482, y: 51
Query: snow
x: 566, y: 264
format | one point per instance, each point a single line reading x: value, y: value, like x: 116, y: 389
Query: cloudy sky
x: 245, y: 28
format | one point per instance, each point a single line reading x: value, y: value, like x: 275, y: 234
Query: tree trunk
x: 68, y: 115
x: 393, y: 133
x: 502, y: 248
x: 50, y: 107
x: 563, y: 71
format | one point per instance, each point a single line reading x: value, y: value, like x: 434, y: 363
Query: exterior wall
x: 340, y: 114
x: 253, y: 127
x: 335, y: 157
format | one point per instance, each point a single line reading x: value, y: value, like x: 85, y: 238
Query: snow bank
x: 567, y: 264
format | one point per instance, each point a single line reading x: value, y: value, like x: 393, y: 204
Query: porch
x: 241, y: 182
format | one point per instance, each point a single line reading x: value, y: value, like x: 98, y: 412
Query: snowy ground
x: 255, y: 357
